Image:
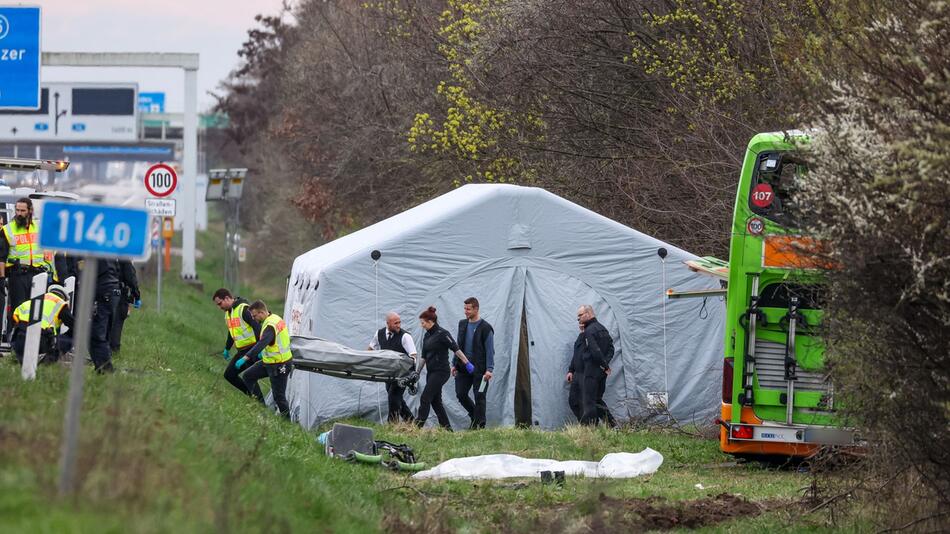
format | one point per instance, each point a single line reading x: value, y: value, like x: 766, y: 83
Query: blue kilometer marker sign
x: 95, y: 230
x: 19, y: 57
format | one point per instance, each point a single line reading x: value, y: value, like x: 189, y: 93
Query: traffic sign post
x: 92, y: 231
x: 161, y: 180
x: 20, y: 57
x: 227, y: 185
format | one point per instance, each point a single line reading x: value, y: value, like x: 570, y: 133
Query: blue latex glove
x: 470, y: 367
x: 225, y: 354
x: 240, y: 363
x: 138, y: 303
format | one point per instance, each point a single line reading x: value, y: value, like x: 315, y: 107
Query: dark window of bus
x: 773, y: 186
x: 810, y: 296
x: 44, y: 106
x: 112, y: 101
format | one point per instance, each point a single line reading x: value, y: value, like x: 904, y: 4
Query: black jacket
x: 107, y: 277
x: 128, y: 281
x: 598, y: 347
x: 577, y: 360
x: 436, y: 345
x: 479, y: 355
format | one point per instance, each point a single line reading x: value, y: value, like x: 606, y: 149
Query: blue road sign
x: 94, y: 230
x: 151, y: 102
x: 19, y: 57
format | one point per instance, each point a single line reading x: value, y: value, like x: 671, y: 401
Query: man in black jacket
x: 477, y: 340
x: 575, y: 375
x: 393, y: 337
x: 129, y: 288
x: 596, y: 353
x: 107, y: 298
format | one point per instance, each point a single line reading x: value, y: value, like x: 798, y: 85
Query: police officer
x: 55, y: 315
x: 243, y: 333
x: 575, y: 376
x: 597, y: 349
x: 129, y: 294
x: 276, y: 362
x: 393, y: 337
x: 20, y: 255
x: 107, y: 294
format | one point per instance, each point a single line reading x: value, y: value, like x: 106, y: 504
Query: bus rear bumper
x: 754, y: 436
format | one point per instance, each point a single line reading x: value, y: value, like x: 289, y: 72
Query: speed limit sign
x: 161, y: 180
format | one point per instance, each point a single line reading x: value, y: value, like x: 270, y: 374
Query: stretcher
x: 318, y: 355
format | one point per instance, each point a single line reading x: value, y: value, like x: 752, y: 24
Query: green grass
x: 168, y: 446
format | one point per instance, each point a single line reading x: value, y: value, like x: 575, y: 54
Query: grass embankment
x: 168, y: 446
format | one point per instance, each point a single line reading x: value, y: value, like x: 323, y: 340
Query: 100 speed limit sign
x: 161, y: 180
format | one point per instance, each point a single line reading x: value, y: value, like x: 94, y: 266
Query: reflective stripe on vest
x: 241, y: 332
x: 279, y: 351
x: 24, y: 245
x: 52, y: 305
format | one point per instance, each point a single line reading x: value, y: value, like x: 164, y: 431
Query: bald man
x: 393, y: 337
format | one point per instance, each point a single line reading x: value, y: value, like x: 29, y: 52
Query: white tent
x: 531, y: 258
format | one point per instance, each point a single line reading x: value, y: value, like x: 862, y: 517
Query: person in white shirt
x: 393, y: 337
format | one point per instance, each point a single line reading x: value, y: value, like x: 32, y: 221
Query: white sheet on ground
x: 613, y: 465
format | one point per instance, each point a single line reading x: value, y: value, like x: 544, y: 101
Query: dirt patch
x: 598, y: 514
x: 655, y: 513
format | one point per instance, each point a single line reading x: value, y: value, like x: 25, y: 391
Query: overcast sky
x: 213, y: 28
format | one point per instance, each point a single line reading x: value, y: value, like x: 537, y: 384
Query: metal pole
x: 158, y: 275
x: 67, y: 465
x: 189, y: 180
x: 237, y: 253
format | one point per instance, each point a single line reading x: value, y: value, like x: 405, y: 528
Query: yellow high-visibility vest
x: 25, y: 246
x: 52, y: 306
x: 241, y: 332
x: 279, y: 350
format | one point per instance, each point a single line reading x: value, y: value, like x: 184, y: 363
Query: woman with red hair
x: 436, y: 345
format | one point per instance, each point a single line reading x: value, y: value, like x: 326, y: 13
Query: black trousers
x: 574, y: 396
x: 397, y: 404
x: 102, y: 317
x: 233, y: 375
x: 121, y: 314
x: 279, y: 374
x: 47, y: 345
x: 593, y: 407
x: 602, y: 410
x: 432, y: 397
x: 464, y: 383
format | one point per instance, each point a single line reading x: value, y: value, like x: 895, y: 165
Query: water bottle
x: 138, y: 303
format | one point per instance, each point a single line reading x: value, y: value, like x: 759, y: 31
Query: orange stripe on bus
x: 794, y: 252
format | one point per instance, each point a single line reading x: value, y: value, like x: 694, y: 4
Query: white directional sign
x: 161, y: 207
x: 161, y: 180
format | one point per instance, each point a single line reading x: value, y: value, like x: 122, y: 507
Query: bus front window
x: 773, y: 185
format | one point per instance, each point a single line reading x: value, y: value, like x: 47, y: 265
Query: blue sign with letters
x: 152, y: 102
x: 19, y: 57
x: 95, y: 230
x: 79, y: 127
x: 41, y: 126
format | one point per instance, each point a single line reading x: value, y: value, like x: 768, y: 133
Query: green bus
x: 776, y: 398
